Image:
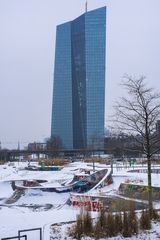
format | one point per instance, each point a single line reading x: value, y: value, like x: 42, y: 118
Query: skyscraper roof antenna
x: 86, y: 6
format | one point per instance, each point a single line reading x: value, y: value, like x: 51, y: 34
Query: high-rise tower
x: 79, y: 81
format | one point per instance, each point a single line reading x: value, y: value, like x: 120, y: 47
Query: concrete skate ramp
x: 16, y: 195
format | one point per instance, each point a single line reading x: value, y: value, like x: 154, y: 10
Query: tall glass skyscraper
x: 79, y: 81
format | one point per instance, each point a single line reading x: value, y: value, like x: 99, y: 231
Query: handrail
x: 16, y: 237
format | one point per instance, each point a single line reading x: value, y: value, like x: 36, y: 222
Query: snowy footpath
x: 10, y: 223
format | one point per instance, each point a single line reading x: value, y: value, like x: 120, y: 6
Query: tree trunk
x: 149, y: 185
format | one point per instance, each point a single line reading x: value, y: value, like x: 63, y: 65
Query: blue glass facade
x: 79, y: 81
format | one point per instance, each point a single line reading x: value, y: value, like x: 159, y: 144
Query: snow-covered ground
x: 41, y: 209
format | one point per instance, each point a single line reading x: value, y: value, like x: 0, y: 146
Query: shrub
x: 154, y: 214
x: 53, y: 162
x: 98, y: 232
x: 133, y: 221
x: 79, y: 227
x: 87, y: 224
x: 102, y: 218
x: 145, y: 221
x: 83, y: 226
x: 126, y: 232
x: 118, y: 223
x: 101, y: 224
x: 110, y: 225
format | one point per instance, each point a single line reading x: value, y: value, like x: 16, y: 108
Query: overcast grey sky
x: 27, y: 44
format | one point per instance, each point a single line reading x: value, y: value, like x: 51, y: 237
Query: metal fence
x: 24, y: 237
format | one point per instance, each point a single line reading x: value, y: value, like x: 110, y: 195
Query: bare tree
x: 137, y: 114
x: 54, y: 144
